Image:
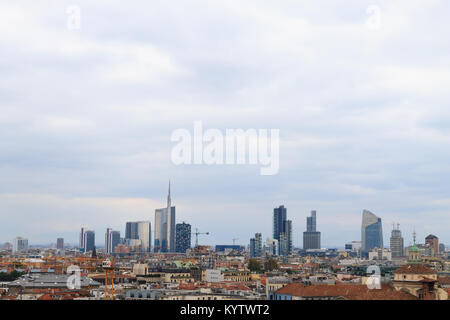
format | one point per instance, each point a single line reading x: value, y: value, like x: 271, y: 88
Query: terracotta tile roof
x: 444, y: 280
x: 348, y: 291
x: 415, y: 269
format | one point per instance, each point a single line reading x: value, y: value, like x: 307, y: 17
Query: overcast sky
x: 361, y: 101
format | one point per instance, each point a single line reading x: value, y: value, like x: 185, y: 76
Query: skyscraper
x: 20, y: 244
x: 311, y: 237
x: 279, y: 219
x: 183, y: 237
x: 397, y: 246
x: 112, y: 239
x: 131, y: 230
x: 138, y: 230
x: 311, y: 222
x: 81, y: 244
x: 285, y: 242
x: 282, y: 230
x: 256, y: 246
x: 60, y: 243
x: 88, y: 237
x: 371, y: 232
x: 165, y: 227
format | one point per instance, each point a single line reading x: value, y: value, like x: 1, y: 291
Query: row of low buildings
x: 207, y: 274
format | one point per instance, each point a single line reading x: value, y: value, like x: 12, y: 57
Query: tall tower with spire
x: 169, y: 201
x: 165, y: 227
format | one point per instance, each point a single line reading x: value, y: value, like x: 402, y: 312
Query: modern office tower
x: 183, y: 237
x: 145, y: 235
x: 131, y: 230
x: 256, y: 246
x: 441, y: 247
x: 371, y: 232
x: 285, y: 242
x: 397, y: 247
x: 20, y: 244
x: 165, y: 227
x: 81, y: 244
x: 60, y: 243
x: 311, y: 222
x: 112, y: 239
x: 88, y: 237
x: 138, y: 230
x: 282, y: 230
x: 433, y: 242
x: 279, y: 221
x: 311, y: 237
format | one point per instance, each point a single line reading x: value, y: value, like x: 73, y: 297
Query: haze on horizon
x: 87, y: 114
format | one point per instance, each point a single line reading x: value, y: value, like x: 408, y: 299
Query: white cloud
x: 86, y: 115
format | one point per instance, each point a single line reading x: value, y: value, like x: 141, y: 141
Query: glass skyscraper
x: 256, y: 246
x: 371, y: 232
x: 311, y: 237
x: 183, y: 237
x: 139, y: 230
x: 112, y: 239
x: 165, y: 228
x: 282, y: 230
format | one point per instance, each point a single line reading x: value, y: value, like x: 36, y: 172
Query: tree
x: 14, y: 275
x: 254, y: 265
x: 271, y: 265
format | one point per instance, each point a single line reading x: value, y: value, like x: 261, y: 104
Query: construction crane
x: 108, y: 266
x: 234, y: 240
x: 196, y: 234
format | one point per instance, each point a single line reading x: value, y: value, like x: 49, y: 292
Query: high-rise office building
x: 256, y: 246
x: 285, y: 242
x: 165, y: 227
x: 433, y: 243
x: 131, y: 230
x: 282, y: 230
x: 60, y: 243
x: 279, y: 221
x: 371, y: 232
x: 397, y: 246
x: 112, y: 239
x: 311, y: 221
x: 441, y: 247
x: 138, y: 234
x: 311, y: 237
x: 81, y: 243
x: 145, y: 235
x: 183, y: 237
x: 87, y: 240
x: 20, y: 244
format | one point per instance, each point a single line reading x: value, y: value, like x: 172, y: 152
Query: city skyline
x: 279, y: 213
x: 362, y: 113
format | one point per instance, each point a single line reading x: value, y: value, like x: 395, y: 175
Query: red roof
x: 347, y: 291
x: 415, y: 269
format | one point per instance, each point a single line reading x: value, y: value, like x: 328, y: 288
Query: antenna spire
x: 168, y: 197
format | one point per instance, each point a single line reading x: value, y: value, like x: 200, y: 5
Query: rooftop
x: 348, y: 291
x: 414, y: 269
